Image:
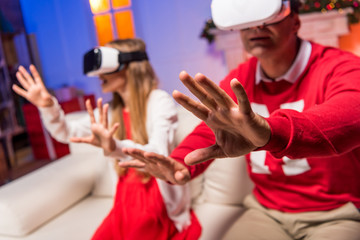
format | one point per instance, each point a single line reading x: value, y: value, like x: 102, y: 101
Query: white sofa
x: 68, y: 198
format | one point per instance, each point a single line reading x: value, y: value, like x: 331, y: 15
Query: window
x: 112, y: 19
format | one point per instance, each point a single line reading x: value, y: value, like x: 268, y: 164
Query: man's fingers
x: 182, y: 176
x: 137, y: 154
x: 221, y: 97
x: 204, y: 154
x: 243, y: 100
x: 197, y: 90
x: 132, y: 164
x: 196, y: 108
x: 157, y: 158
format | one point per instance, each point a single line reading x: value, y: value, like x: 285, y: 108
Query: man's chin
x: 260, y: 51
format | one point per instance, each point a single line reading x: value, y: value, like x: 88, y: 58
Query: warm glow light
x: 103, y: 28
x: 98, y: 6
x: 121, y: 3
x: 124, y: 24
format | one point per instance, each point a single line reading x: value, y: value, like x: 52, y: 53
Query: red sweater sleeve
x: 200, y: 137
x: 330, y: 127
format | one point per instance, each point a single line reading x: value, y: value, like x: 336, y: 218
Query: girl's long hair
x: 141, y: 80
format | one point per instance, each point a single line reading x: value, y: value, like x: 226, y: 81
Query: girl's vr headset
x: 242, y: 14
x: 105, y: 60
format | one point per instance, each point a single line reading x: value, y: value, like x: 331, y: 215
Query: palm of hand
x: 235, y: 135
x: 101, y: 137
x: 33, y: 88
x: 38, y: 95
x: 238, y: 130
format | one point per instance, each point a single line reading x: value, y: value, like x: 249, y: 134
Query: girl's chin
x: 105, y: 89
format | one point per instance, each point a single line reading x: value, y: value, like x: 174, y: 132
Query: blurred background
x: 54, y: 35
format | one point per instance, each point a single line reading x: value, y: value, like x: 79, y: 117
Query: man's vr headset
x: 104, y: 60
x: 242, y: 14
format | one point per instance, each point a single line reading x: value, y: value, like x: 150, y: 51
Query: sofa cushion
x: 105, y: 175
x: 25, y: 207
x: 226, y: 181
x: 216, y: 219
x: 77, y: 223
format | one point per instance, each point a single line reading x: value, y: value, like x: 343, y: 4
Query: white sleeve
x: 59, y: 128
x: 161, y: 124
x: 177, y: 200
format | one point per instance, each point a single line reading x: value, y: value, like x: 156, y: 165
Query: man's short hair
x: 295, y: 5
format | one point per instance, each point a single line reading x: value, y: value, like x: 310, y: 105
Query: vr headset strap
x: 126, y: 57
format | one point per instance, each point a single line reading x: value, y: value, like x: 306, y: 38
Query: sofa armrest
x: 30, y: 201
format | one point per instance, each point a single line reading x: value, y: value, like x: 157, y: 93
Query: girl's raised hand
x: 101, y: 135
x: 33, y: 88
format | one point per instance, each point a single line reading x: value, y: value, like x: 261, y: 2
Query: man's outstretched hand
x: 238, y: 130
x: 159, y: 166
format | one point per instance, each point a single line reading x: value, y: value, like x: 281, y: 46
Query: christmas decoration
x: 324, y: 6
x: 308, y: 6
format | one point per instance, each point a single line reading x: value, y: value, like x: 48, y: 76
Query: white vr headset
x: 105, y: 60
x: 242, y: 14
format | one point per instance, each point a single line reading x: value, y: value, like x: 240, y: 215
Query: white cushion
x: 216, y: 219
x: 226, y: 181
x: 187, y: 123
x: 105, y: 175
x: 77, y: 223
x: 32, y: 200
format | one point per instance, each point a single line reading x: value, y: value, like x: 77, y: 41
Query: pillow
x: 105, y: 175
x: 105, y: 178
x: 226, y: 181
x: 32, y: 200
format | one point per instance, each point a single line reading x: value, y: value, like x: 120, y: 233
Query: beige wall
x: 351, y: 41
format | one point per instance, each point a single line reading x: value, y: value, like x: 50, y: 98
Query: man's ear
x: 297, y: 23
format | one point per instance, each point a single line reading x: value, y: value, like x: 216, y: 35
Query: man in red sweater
x: 294, y: 111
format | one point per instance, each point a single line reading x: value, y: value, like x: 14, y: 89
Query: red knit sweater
x: 312, y: 161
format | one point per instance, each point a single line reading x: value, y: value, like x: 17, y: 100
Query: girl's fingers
x: 36, y: 75
x: 22, y: 80
x: 19, y: 91
x: 100, y: 108
x: 90, y: 111
x: 26, y: 75
x: 105, y: 115
x: 81, y: 140
x: 113, y: 128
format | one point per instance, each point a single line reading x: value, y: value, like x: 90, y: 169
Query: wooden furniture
x: 9, y: 121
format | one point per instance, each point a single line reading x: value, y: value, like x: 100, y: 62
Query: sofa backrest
x: 226, y: 181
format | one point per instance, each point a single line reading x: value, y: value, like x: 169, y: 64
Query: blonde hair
x: 141, y: 80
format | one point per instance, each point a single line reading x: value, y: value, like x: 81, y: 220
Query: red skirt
x: 139, y: 212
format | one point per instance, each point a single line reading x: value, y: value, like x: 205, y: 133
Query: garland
x: 308, y: 6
